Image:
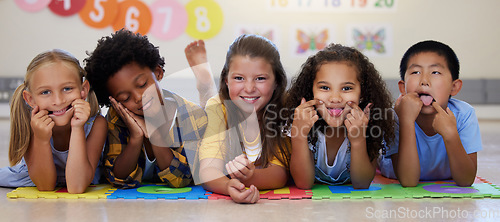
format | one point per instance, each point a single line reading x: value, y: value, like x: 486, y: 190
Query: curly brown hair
x: 373, y: 90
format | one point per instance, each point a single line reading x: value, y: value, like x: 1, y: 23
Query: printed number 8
x: 202, y: 22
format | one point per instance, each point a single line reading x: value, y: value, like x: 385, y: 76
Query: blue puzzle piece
x: 349, y: 189
x: 160, y: 192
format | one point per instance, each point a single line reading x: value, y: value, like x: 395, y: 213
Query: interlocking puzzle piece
x: 160, y: 192
x: 100, y: 191
x: 290, y: 192
x: 452, y: 190
x: 375, y: 191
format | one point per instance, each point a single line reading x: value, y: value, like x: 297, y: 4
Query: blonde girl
x: 57, y: 136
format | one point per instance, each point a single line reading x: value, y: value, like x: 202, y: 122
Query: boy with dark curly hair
x: 150, y: 131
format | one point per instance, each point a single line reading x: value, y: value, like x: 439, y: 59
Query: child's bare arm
x: 84, y: 155
x: 362, y: 170
x: 126, y: 161
x: 302, y: 160
x: 271, y: 177
x: 39, y: 160
x: 408, y: 164
x: 463, y: 166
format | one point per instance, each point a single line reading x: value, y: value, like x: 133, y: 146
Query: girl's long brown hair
x: 20, y: 112
x: 274, y: 142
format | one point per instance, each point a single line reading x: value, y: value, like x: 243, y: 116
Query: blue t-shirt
x: 434, y: 162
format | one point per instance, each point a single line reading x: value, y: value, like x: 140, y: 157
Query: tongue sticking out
x: 426, y: 99
x: 335, y: 112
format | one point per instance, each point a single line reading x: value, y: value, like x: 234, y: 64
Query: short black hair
x: 115, y: 51
x: 431, y: 46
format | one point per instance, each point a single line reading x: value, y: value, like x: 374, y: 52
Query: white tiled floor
x: 265, y: 210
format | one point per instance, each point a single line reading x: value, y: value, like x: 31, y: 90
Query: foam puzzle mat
x: 380, y: 188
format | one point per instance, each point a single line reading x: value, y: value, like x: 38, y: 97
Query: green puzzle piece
x: 384, y: 191
x: 162, y: 190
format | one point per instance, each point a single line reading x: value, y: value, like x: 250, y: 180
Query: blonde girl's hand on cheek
x: 304, y: 117
x: 240, y: 194
x: 240, y: 168
x: 41, y: 124
x: 444, y: 122
x: 135, y: 124
x: 81, y: 112
x: 408, y: 106
x: 356, y: 121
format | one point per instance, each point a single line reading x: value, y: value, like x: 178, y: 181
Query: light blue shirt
x: 434, y: 162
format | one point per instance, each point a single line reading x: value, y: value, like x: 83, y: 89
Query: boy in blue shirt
x: 438, y: 135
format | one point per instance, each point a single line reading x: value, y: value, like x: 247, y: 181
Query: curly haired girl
x: 339, y: 117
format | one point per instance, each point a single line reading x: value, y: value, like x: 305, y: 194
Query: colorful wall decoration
x: 373, y: 40
x: 200, y: 19
x: 309, y: 38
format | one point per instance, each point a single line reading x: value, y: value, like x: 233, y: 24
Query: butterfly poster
x: 372, y: 40
x: 306, y: 40
x: 270, y: 32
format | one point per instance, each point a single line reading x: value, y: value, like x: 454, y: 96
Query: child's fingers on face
x: 347, y: 124
x: 438, y: 108
x: 367, y: 109
x: 35, y: 111
x: 46, y: 120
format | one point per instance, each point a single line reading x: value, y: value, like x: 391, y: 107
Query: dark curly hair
x: 373, y: 90
x: 115, y: 51
x: 273, y: 140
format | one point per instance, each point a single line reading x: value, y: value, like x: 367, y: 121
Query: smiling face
x: 251, y: 82
x: 429, y: 76
x: 54, y: 87
x: 336, y: 83
x: 135, y: 88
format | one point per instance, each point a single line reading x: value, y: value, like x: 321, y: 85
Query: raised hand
x: 240, y: 194
x: 444, y: 122
x: 81, y: 112
x: 240, y: 168
x: 135, y: 124
x: 41, y: 124
x: 304, y: 117
x: 356, y: 121
x: 408, y: 107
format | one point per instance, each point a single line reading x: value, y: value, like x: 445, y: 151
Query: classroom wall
x: 469, y: 27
